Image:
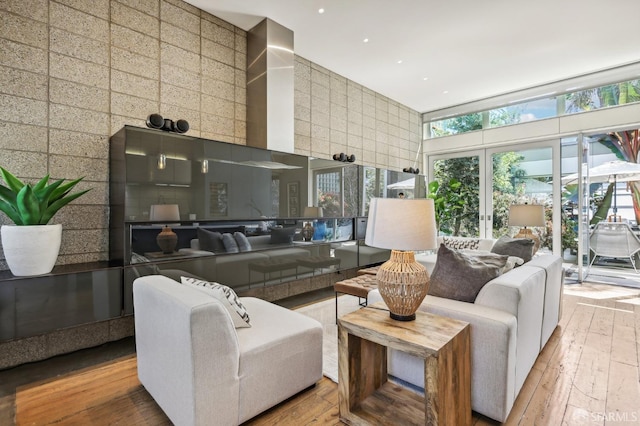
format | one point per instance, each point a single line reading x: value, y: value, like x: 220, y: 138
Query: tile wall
x: 73, y: 72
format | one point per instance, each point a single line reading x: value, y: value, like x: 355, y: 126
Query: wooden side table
x: 366, y: 397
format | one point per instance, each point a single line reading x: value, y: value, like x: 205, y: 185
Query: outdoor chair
x: 614, y: 240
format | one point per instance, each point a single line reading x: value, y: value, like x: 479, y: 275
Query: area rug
x: 325, y: 313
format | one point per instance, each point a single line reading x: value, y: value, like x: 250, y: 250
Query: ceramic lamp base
x: 403, y: 284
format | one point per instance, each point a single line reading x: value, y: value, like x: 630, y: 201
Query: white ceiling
x: 467, y: 49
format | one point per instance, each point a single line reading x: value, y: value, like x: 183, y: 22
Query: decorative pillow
x: 520, y: 247
x: 210, y: 241
x: 483, y: 256
x: 459, y: 276
x: 230, y: 244
x: 282, y: 235
x: 461, y: 243
x: 242, y: 241
x: 226, y: 295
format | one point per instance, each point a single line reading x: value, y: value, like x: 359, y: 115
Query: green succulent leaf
x: 27, y: 204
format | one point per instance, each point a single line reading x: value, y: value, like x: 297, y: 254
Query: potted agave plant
x: 31, y: 246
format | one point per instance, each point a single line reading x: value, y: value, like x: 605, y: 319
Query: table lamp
x: 166, y: 239
x: 402, y: 226
x: 527, y: 215
x: 307, y: 229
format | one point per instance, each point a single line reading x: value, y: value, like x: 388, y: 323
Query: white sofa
x: 511, y: 320
x: 201, y: 370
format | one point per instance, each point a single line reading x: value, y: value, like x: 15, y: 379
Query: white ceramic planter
x: 31, y: 250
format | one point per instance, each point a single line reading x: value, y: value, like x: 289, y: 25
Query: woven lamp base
x: 403, y: 284
x: 527, y: 233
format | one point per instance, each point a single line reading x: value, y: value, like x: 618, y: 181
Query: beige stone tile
x: 368, y: 133
x: 173, y: 95
x: 179, y: 17
x: 79, y: 71
x: 150, y: 7
x: 218, y: 89
x: 179, y: 37
x: 99, y: 8
x: 132, y: 106
x: 65, y: 142
x: 240, y: 112
x: 75, y: 241
x: 340, y: 113
x: 33, y: 9
x: 339, y: 124
x: 181, y: 4
x: 302, y: 144
x: 240, y: 95
x: 355, y: 119
x: 181, y: 58
x: 319, y: 78
x: 218, y: 106
x: 23, y: 110
x: 320, y: 148
x: 79, y: 216
x: 180, y: 77
x: 218, y: 125
x: 320, y: 132
x: 302, y: 128
x: 80, y: 47
x: 369, y: 111
x: 241, y: 41
x: 119, y: 121
x: 301, y: 99
x: 134, y: 19
x: 77, y: 22
x: 71, y: 167
x: 218, y: 52
x: 339, y: 138
x: 134, y: 63
x: 241, y: 60
x: 20, y: 351
x: 78, y: 95
x: 240, y: 132
x: 23, y: 30
x: 120, y: 328
x: 99, y: 193
x: 134, y: 85
x: 135, y: 42
x: 70, y: 118
x: 67, y: 259
x: 368, y: 157
x: 217, y: 21
x: 26, y: 165
x: 302, y: 113
x: 216, y: 70
x: 221, y: 35
x: 241, y: 79
x: 354, y: 141
x: 23, y: 83
x: 23, y: 137
x: 23, y: 57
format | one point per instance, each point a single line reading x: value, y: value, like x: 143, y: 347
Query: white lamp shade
x: 398, y: 224
x: 164, y: 212
x: 526, y: 215
x: 312, y: 212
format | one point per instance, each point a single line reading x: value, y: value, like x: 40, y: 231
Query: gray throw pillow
x: 210, y: 241
x: 520, y: 247
x: 282, y: 235
x: 458, y: 276
x: 242, y: 241
x: 230, y: 244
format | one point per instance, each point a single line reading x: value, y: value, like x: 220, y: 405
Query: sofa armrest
x: 187, y: 350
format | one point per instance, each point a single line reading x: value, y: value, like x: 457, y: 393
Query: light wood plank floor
x: 587, y: 375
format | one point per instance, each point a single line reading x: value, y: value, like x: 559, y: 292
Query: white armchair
x: 616, y: 240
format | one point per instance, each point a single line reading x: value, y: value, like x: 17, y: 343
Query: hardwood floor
x: 588, y: 373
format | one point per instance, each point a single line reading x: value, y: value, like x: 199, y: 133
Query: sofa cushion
x: 282, y: 235
x: 242, y: 241
x: 491, y: 258
x: 520, y: 247
x: 210, y: 241
x: 236, y: 309
x: 230, y: 244
x: 461, y: 277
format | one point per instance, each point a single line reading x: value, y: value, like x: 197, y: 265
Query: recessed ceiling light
x: 445, y: 92
x: 366, y: 40
x: 425, y: 78
x: 400, y: 61
x: 321, y: 10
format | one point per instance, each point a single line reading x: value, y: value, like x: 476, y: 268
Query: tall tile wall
x: 73, y: 72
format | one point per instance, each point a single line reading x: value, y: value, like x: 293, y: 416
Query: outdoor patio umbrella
x: 611, y: 171
x: 405, y: 184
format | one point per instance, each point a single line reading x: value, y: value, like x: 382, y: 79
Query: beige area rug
x: 325, y: 313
